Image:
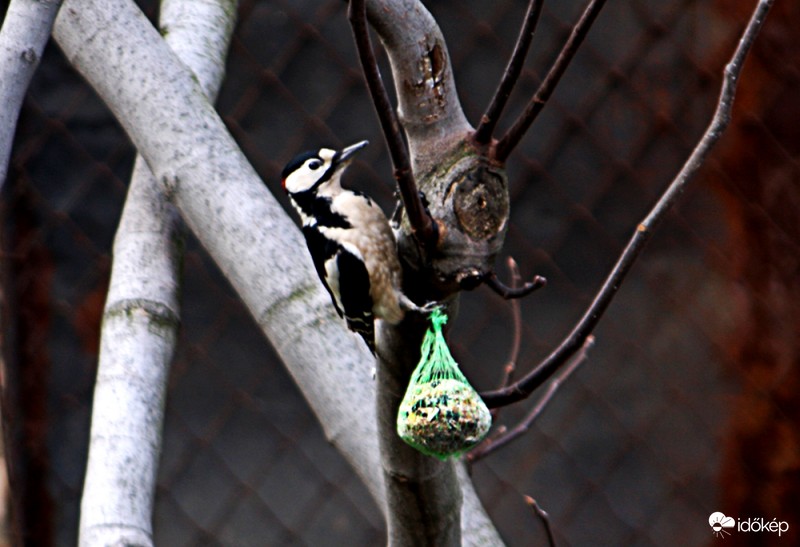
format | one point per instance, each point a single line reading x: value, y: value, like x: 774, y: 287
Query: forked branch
x: 422, y: 225
x: 483, y: 134
x: 583, y: 329
x: 510, y: 140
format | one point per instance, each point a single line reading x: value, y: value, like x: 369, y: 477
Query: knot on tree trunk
x: 467, y: 196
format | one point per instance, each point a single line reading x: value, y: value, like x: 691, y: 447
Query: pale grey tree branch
x: 241, y: 225
x: 141, y: 315
x: 428, y: 104
x: 26, y: 30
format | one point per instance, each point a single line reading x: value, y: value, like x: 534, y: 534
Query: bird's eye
x: 314, y: 164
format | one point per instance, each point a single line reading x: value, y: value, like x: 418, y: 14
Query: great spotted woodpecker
x: 350, y: 240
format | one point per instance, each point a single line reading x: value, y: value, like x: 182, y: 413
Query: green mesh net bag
x: 441, y: 414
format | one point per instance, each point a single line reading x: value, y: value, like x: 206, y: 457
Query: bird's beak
x: 346, y: 154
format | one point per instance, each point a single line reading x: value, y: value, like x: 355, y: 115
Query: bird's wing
x: 322, y: 250
x: 343, y: 274
x: 354, y: 293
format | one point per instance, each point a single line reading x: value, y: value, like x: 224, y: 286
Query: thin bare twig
x: 510, y: 140
x: 544, y: 517
x: 422, y: 225
x: 507, y: 436
x: 516, y: 341
x: 576, y: 338
x: 483, y: 134
x: 494, y: 283
x: 516, y: 315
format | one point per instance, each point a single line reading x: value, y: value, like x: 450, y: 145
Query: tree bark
x: 141, y: 316
x: 26, y: 30
x: 428, y: 107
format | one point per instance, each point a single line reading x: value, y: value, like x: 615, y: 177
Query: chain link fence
x: 646, y: 439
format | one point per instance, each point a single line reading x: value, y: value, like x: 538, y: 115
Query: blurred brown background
x: 688, y: 403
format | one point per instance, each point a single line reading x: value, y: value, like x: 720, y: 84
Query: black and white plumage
x: 350, y: 240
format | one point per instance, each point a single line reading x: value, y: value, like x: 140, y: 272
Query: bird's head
x: 308, y: 170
